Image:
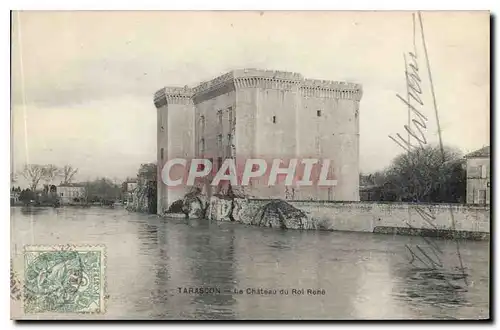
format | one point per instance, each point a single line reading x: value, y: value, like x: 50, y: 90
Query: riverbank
x: 436, y: 220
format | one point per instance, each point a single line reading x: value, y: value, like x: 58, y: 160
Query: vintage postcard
x: 250, y: 165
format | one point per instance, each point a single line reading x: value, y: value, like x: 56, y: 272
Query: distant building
x: 144, y: 198
x: 72, y: 193
x: 478, y: 176
x: 128, y: 190
x: 266, y: 114
x: 14, y: 196
x: 131, y: 185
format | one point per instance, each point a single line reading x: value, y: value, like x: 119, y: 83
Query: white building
x: 72, y: 193
x: 478, y: 176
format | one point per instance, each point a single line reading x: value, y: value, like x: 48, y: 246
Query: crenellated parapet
x: 272, y: 74
x: 221, y: 85
x: 331, y: 89
x: 173, y: 95
x: 264, y: 82
x: 214, y: 83
x: 268, y: 79
x: 255, y: 78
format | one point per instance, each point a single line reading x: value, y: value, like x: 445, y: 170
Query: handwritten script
x: 428, y: 254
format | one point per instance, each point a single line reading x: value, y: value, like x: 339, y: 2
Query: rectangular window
x: 274, y: 119
x: 230, y: 115
x: 202, y: 145
x: 161, y: 153
x: 482, y: 197
x: 219, y: 140
x: 483, y: 171
x: 318, y: 113
x: 202, y: 125
x: 219, y: 114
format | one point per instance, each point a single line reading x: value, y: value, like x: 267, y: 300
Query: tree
x: 426, y: 175
x: 102, y: 189
x: 68, y: 172
x: 50, y: 172
x: 26, y: 196
x: 147, y: 171
x: 33, y: 173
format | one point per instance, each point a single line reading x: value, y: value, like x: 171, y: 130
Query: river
x: 150, y: 261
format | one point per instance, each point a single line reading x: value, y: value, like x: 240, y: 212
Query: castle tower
x: 266, y: 114
x: 175, y: 138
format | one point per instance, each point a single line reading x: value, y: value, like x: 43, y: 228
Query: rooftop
x: 72, y: 185
x: 481, y: 153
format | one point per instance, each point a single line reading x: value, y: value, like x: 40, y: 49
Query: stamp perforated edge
x: 75, y: 247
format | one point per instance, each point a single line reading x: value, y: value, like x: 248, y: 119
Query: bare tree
x: 33, y: 173
x: 50, y: 172
x: 68, y: 173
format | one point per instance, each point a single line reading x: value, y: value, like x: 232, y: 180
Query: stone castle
x: 254, y: 113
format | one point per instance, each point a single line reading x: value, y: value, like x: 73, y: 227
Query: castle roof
x: 254, y: 78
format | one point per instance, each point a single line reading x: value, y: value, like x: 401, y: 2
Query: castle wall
x: 445, y: 220
x: 266, y: 108
x: 215, y: 112
x: 329, y: 129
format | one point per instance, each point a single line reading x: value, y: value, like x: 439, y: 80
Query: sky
x: 83, y: 82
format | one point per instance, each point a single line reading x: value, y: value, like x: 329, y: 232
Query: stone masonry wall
x: 355, y: 216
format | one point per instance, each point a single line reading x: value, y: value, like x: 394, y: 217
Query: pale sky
x: 83, y: 82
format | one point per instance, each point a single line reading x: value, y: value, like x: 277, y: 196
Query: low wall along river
x: 472, y: 222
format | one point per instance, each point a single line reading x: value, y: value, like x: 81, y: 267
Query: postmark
x: 15, y: 284
x: 64, y: 279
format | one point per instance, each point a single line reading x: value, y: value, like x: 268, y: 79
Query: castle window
x: 219, y: 162
x: 202, y: 145
x: 230, y: 115
x: 274, y: 119
x: 318, y: 113
x: 219, y: 140
x: 219, y: 114
x: 161, y: 153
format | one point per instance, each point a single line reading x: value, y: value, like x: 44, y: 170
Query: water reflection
x: 363, y: 275
x: 212, y: 260
x: 433, y: 287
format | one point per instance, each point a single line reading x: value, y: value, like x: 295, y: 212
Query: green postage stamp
x: 64, y: 279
